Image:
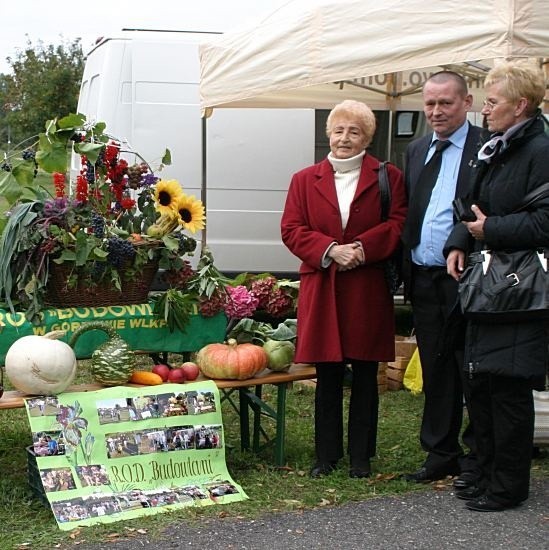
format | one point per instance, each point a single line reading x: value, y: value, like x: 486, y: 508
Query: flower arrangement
x: 208, y: 291
x: 116, y: 219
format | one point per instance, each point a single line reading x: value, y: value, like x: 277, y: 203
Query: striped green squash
x: 113, y: 362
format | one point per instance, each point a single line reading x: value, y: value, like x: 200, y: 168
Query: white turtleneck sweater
x: 346, y: 174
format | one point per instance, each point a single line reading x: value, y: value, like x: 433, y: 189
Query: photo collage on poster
x: 140, y: 425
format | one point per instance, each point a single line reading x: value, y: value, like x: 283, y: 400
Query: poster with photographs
x: 119, y: 453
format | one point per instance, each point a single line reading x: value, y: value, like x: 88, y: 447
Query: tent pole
x: 390, y: 136
x: 203, y: 187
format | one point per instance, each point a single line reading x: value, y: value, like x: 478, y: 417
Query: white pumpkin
x: 41, y: 365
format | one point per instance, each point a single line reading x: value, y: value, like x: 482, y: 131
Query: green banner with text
x: 136, y: 324
x: 119, y: 453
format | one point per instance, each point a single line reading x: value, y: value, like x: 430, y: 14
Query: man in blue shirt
x: 433, y: 293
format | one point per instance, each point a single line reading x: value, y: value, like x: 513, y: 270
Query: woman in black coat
x: 502, y: 361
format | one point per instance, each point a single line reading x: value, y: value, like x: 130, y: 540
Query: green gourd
x: 113, y: 362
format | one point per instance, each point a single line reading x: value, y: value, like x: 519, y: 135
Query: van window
x: 406, y: 124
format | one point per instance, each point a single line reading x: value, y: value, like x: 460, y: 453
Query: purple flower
x: 149, y: 180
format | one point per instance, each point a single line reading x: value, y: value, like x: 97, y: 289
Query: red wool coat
x: 343, y: 314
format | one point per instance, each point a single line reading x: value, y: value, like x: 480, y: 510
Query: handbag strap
x: 384, y: 190
x: 538, y: 194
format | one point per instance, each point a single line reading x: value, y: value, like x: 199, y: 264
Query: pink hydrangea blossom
x: 240, y: 302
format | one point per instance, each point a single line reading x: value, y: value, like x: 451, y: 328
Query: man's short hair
x: 445, y: 76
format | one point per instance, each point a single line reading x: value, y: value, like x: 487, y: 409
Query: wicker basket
x: 134, y: 290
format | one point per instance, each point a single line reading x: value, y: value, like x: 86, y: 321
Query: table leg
x: 244, y: 419
x: 257, y: 419
x: 280, y: 424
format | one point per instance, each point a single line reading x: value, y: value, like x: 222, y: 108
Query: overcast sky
x: 55, y: 21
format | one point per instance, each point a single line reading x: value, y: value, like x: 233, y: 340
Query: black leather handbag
x: 392, y: 266
x: 507, y: 285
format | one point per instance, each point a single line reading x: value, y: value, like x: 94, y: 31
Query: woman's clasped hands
x: 347, y: 256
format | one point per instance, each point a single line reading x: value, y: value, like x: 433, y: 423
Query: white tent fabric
x: 316, y: 53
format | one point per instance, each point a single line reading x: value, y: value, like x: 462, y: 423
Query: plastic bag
x: 413, y: 379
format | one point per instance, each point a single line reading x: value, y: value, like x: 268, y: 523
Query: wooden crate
x: 405, y: 346
x: 395, y: 373
x: 382, y: 378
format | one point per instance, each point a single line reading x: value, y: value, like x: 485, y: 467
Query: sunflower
x: 191, y: 212
x: 166, y: 195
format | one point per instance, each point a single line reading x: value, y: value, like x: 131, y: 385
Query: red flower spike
x: 81, y: 188
x: 59, y: 184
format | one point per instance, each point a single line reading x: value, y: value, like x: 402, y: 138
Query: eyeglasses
x: 491, y: 105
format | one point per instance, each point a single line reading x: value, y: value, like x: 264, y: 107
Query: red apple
x: 190, y: 369
x: 177, y: 376
x: 162, y: 370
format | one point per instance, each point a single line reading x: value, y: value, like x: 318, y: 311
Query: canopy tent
x: 315, y: 53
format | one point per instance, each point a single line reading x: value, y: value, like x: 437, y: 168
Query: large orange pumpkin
x: 231, y: 361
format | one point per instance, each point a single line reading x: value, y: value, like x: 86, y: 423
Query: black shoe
x: 425, y: 476
x: 358, y: 473
x: 360, y: 469
x: 322, y: 469
x: 486, y: 504
x: 470, y: 493
x: 465, y: 479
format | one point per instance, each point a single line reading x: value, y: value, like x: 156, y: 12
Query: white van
x: 144, y: 86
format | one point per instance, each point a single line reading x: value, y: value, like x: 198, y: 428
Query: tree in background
x: 44, y: 84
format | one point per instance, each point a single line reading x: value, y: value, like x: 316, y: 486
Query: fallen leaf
x: 142, y: 531
x: 75, y: 533
x: 113, y: 535
x: 385, y: 477
x: 324, y: 502
x: 330, y: 490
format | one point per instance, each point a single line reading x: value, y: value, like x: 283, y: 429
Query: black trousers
x: 363, y: 413
x: 502, y: 409
x: 433, y: 296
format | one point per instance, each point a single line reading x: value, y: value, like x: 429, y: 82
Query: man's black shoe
x: 470, y: 493
x: 425, y: 476
x: 486, y: 504
x: 465, y: 479
x: 322, y: 469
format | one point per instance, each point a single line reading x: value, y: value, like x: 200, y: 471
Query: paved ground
x: 430, y: 520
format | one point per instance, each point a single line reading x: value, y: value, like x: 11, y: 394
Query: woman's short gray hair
x: 520, y: 78
x: 356, y: 110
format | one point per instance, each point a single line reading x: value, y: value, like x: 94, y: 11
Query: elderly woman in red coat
x: 332, y: 222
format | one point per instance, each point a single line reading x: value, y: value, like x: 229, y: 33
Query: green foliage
x: 257, y: 332
x: 208, y: 279
x: 175, y: 307
x: 45, y: 79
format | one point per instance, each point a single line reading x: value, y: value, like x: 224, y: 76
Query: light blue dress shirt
x: 439, y: 220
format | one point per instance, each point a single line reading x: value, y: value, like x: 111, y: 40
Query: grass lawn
x: 25, y: 521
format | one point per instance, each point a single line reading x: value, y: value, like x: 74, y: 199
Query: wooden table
x: 249, y: 400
